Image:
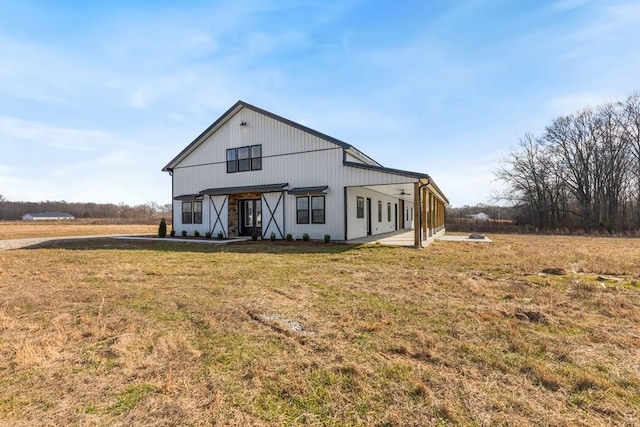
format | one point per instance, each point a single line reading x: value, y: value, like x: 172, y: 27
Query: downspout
x: 172, y: 196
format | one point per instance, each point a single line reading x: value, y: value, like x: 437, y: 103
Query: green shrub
x: 327, y: 238
x: 196, y: 233
x: 305, y: 237
x: 254, y: 236
x: 184, y: 233
x: 208, y: 234
x: 220, y: 235
x: 273, y: 236
x: 162, y: 228
x: 173, y: 233
x: 289, y: 237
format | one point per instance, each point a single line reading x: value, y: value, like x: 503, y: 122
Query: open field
x: 524, y: 331
x: 28, y: 229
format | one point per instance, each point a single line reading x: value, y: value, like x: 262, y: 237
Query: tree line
x: 13, y: 210
x: 583, y: 172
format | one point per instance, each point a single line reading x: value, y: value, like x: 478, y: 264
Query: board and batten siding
x: 289, y: 155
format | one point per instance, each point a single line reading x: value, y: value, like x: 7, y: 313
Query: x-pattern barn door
x: 219, y: 214
x: 274, y: 204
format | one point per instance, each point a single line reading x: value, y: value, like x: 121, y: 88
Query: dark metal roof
x: 188, y: 197
x: 234, y: 109
x: 309, y: 190
x: 387, y: 170
x: 267, y: 188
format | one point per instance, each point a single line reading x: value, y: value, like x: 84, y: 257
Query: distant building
x: 47, y: 216
x: 480, y: 216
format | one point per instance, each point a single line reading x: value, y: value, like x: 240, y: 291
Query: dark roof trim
x: 268, y: 188
x: 233, y: 110
x: 321, y: 189
x: 188, y: 197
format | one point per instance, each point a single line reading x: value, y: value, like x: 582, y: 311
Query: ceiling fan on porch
x: 402, y: 193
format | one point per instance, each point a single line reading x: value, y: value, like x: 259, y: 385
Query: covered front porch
x: 420, y: 213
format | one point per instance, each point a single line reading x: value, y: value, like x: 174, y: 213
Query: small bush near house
x: 289, y: 237
x: 208, y: 234
x: 196, y: 233
x: 272, y: 237
x: 305, y: 237
x: 173, y: 233
x: 327, y: 238
x: 220, y: 235
x: 162, y: 228
x: 184, y: 233
x: 254, y: 236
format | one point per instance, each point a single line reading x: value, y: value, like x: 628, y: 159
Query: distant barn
x: 480, y: 216
x: 47, y: 216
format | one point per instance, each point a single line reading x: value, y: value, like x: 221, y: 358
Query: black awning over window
x: 188, y: 197
x: 267, y: 188
x: 299, y: 191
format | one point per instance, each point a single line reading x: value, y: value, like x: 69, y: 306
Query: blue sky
x: 97, y: 96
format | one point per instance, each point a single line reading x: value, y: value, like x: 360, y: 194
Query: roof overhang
x: 305, y: 191
x: 188, y: 197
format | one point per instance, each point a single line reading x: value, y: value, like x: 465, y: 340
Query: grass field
x: 27, y: 229
x: 524, y: 331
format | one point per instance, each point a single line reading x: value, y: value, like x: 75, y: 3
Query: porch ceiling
x: 402, y: 191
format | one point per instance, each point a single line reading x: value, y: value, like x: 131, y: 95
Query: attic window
x: 243, y: 159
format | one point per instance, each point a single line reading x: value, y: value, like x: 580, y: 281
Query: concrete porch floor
x: 394, y: 238
x: 405, y: 238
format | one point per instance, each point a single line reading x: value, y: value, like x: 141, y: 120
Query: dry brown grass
x: 28, y: 229
x: 109, y: 332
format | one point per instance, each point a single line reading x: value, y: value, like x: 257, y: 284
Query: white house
x: 46, y: 216
x: 252, y: 171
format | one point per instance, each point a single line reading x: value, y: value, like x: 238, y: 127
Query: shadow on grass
x: 277, y: 247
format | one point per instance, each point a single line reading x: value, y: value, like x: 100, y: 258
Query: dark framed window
x: 256, y: 157
x: 313, y: 212
x: 379, y: 211
x: 187, y: 209
x: 243, y: 159
x: 302, y: 210
x: 232, y: 160
x: 197, y: 212
x: 317, y: 209
x: 360, y: 207
x: 389, y: 212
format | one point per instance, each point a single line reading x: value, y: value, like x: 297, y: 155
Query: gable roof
x: 235, y: 109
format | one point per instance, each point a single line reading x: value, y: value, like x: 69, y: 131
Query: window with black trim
x: 192, y: 212
x: 187, y: 209
x: 197, y: 212
x: 317, y: 209
x: 360, y: 207
x: 243, y: 159
x: 388, y: 212
x: 310, y: 210
x: 379, y: 211
x: 302, y: 210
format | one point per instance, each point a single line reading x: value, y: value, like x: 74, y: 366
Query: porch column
x: 417, y: 240
x: 425, y: 225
